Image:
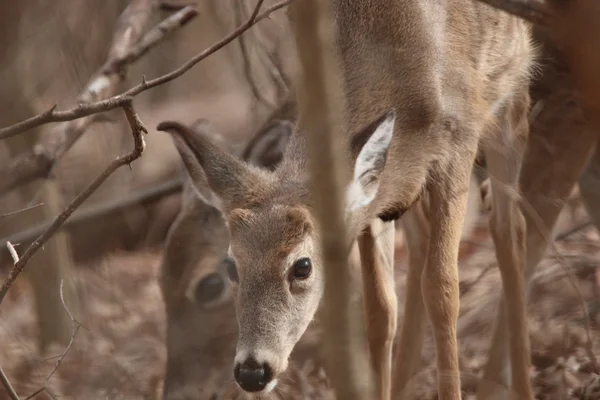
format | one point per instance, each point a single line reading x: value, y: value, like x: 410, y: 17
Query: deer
x: 561, y: 151
x: 188, y: 280
x: 424, y: 86
x: 195, y: 267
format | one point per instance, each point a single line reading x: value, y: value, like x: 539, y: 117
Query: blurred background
x: 109, y: 255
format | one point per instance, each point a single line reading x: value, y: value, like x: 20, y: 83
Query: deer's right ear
x: 266, y: 149
x: 369, y: 148
x: 229, y: 178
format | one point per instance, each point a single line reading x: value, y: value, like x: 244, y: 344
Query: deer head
x: 201, y: 323
x: 274, y: 247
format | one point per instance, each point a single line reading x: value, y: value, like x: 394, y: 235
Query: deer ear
x: 267, y: 147
x: 229, y: 178
x: 369, y: 148
x: 195, y: 174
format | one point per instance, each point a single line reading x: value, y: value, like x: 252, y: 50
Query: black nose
x: 251, y: 376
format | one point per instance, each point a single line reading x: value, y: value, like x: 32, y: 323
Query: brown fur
x: 560, y: 146
x: 201, y: 336
x: 451, y: 72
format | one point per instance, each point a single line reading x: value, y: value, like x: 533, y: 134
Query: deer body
x: 423, y: 82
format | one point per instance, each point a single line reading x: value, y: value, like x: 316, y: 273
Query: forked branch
x: 119, y: 100
x: 137, y: 130
x: 129, y: 45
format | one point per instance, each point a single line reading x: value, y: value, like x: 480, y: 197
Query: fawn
x: 423, y: 83
x: 201, y: 322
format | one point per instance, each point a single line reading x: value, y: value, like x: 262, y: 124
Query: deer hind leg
x: 408, y: 353
x: 376, y: 246
x: 552, y: 164
x: 508, y: 227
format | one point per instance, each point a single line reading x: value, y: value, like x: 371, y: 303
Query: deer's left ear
x: 267, y: 147
x: 369, y: 147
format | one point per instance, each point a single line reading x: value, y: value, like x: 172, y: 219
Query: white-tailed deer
x: 201, y: 322
x: 200, y: 312
x: 424, y: 82
x: 560, y: 145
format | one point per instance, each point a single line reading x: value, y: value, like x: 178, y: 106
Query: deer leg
x: 544, y: 189
x: 439, y: 282
x: 408, y: 354
x: 508, y: 227
x: 376, y: 247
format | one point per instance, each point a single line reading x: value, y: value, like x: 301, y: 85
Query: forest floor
x: 119, y: 352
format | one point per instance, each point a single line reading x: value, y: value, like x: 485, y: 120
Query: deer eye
x: 209, y: 288
x: 302, y: 268
x: 231, y: 269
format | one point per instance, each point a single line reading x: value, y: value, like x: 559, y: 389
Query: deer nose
x: 252, y: 376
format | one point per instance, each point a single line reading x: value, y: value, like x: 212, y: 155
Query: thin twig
x: 62, y: 356
x: 21, y: 210
x: 468, y: 286
x: 573, y: 230
x: 533, y: 11
x: 32, y: 395
x: 539, y: 225
x: 6, y: 383
x: 62, y: 299
x: 13, y: 252
x: 128, y: 46
x: 240, y: 14
x: 119, y: 100
x: 137, y: 129
x: 101, y: 210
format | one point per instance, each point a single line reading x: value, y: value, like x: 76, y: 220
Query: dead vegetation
x: 122, y: 301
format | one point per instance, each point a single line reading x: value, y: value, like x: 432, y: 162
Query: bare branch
x: 121, y: 99
x: 468, y: 286
x: 62, y: 299
x: 32, y: 395
x: 573, y: 230
x: 9, y: 389
x: 101, y: 210
x: 8, y: 214
x: 13, y: 252
x: 240, y: 13
x: 534, y: 11
x: 62, y: 356
x: 130, y: 27
x: 127, y: 47
x: 137, y: 130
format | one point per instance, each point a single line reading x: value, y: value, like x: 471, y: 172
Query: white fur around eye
x: 362, y: 188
